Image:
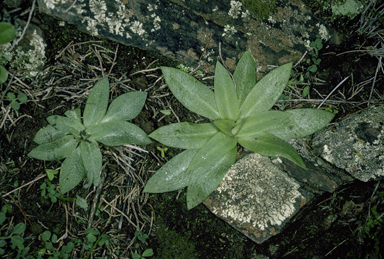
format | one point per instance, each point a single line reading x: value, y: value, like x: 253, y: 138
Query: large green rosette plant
x: 240, y: 111
x: 75, y: 139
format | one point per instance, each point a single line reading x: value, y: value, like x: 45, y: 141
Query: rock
x: 192, y: 31
x: 259, y: 195
x: 257, y: 198
x: 29, y: 53
x: 356, y: 144
x: 13, y: 3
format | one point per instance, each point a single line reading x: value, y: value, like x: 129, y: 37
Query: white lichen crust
x: 32, y: 59
x: 255, y: 191
x: 356, y: 144
x: 118, y: 19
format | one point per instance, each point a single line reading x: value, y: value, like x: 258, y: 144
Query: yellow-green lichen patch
x: 257, y: 196
x: 260, y: 9
x: 356, y: 144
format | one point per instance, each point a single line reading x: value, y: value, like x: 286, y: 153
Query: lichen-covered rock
x: 257, y: 198
x: 191, y: 31
x: 29, y: 53
x: 356, y: 144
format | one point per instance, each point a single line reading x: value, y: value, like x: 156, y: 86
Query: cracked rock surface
x: 191, y: 31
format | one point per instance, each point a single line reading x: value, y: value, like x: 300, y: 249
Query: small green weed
x: 16, y: 101
x: 94, y: 238
x: 313, y: 61
x: 12, y: 239
x: 48, y: 191
x: 49, y: 239
x: 142, y: 238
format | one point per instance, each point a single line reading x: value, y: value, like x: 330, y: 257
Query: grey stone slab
x: 192, y: 31
x: 257, y: 198
x: 356, y: 144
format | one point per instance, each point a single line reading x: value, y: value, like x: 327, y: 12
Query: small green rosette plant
x: 77, y: 139
x: 240, y: 111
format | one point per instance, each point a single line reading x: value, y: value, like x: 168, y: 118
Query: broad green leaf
x: 72, y: 171
x: 173, y: 175
x: 53, y: 119
x: 261, y: 121
x: 267, y: 91
x: 193, y: 94
x: 117, y: 133
x: 97, y: 103
x: 66, y: 124
x: 184, y: 135
x: 7, y: 32
x: 125, y: 107
x: 74, y: 114
x: 225, y: 94
x: 3, y: 75
x: 303, y: 122
x: 47, y: 134
x: 19, y: 228
x: 92, y: 160
x: 216, y: 147
x: 57, y: 149
x: 268, y: 145
x: 208, y: 178
x: 245, y: 76
x: 225, y: 126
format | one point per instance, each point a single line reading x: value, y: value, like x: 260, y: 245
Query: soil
x: 337, y: 225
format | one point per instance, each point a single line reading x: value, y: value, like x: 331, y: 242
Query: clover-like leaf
x: 15, y: 105
x: 269, y: 145
x: 193, y: 94
x: 225, y: 94
x: 206, y: 179
x: 267, y: 91
x: 72, y: 171
x: 125, y: 107
x: 173, y: 175
x: 92, y: 160
x: 97, y: 103
x: 301, y: 123
x: 22, y: 98
x: 184, y: 135
x: 57, y: 149
x: 216, y: 147
x: 117, y: 133
x: 245, y: 76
